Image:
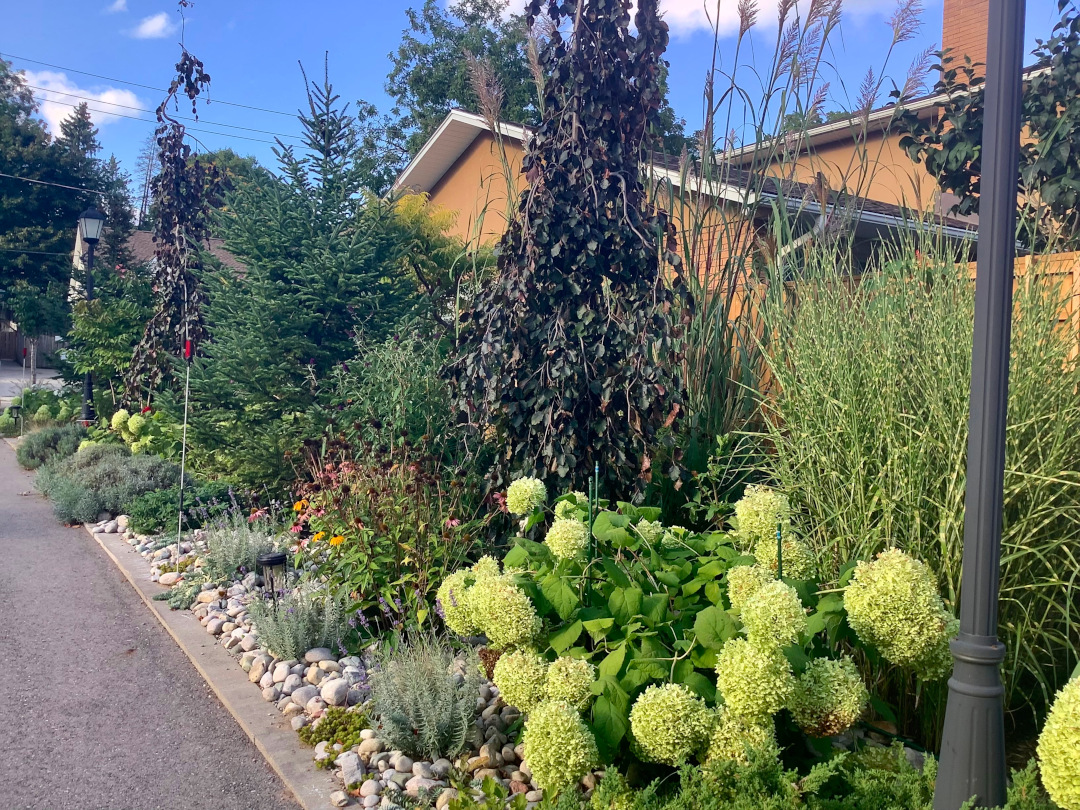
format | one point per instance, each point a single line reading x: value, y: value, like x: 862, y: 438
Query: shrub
x: 403, y: 521
x: 234, y: 542
x: 736, y: 737
x: 9, y: 426
x: 298, y: 621
x: 869, y: 421
x: 829, y: 697
x: 156, y: 512
x: 101, y: 478
x: 40, y: 446
x: 420, y: 707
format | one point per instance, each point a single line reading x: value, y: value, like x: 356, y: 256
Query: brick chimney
x: 964, y: 30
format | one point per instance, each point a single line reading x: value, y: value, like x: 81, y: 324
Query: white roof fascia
x: 455, y: 118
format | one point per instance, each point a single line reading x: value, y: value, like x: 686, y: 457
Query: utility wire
x: 147, y: 121
x: 34, y: 252
x: 153, y: 112
x: 47, y: 183
x: 144, y: 86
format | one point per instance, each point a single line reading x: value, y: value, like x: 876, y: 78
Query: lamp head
x: 91, y: 224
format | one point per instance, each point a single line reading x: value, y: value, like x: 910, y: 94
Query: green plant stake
x: 779, y: 550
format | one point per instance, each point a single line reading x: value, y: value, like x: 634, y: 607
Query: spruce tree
x: 323, y: 261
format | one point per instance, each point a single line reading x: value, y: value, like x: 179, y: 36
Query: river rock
x: 423, y: 769
x: 169, y: 578
x: 339, y: 798
x: 291, y: 684
x: 318, y: 654
x: 372, y: 745
x: 401, y: 763
x: 370, y: 788
x: 303, y: 694
x: 418, y: 783
x: 281, y: 672
x: 335, y: 692
x: 352, y: 769
x: 445, y: 798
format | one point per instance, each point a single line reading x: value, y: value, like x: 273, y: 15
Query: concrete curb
x: 259, y: 720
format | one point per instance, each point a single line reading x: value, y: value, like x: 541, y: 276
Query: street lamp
x: 973, y: 740
x: 91, y: 224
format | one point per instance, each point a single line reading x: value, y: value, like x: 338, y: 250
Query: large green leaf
x: 563, y: 639
x: 610, y: 726
x: 598, y: 628
x: 561, y: 596
x: 613, y: 662
x: 714, y: 627
x: 654, y: 608
x: 625, y: 604
x: 609, y: 527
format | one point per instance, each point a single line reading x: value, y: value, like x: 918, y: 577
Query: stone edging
x: 260, y: 722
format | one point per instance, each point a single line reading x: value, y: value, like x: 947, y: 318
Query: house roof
x: 141, y: 245
x: 460, y: 129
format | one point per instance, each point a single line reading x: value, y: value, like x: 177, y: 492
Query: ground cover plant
x: 868, y: 421
x: 156, y: 512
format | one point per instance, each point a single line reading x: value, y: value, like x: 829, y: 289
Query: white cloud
x: 685, y: 17
x: 60, y: 94
x: 154, y: 27
x: 117, y: 6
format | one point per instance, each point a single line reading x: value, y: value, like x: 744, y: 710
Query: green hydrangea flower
x: 525, y: 495
x: 893, y: 604
x: 755, y: 682
x: 670, y: 723
x: 120, y: 419
x: 503, y: 612
x: 86, y: 443
x: 743, y: 581
x: 1059, y: 748
x: 572, y: 508
x: 759, y: 511
x: 6, y: 421
x: 733, y: 735
x: 650, y: 530
x: 559, y: 748
x: 774, y: 615
x: 567, y: 538
x: 569, y: 679
x: 521, y: 677
x: 453, y: 596
x: 798, y: 558
x: 673, y: 537
x: 65, y: 414
x: 937, y: 663
x: 43, y: 414
x: 829, y: 697
x: 486, y: 566
x: 136, y: 422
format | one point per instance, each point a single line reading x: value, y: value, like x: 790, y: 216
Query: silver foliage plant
x: 299, y: 621
x: 234, y: 543
x: 421, y: 703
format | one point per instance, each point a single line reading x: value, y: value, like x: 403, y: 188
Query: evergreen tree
x: 37, y: 219
x: 323, y: 260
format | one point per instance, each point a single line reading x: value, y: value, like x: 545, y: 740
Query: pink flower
x: 296, y: 529
x: 452, y: 522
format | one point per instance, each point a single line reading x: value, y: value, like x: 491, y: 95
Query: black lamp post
x: 274, y: 568
x: 973, y: 743
x: 91, y: 224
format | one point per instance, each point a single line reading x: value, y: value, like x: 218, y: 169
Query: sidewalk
x: 104, y: 712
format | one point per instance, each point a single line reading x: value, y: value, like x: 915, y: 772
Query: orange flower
x: 318, y: 536
x: 300, y: 505
x: 337, y: 540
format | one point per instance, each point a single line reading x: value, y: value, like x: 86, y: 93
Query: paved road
x: 101, y: 710
x: 13, y: 379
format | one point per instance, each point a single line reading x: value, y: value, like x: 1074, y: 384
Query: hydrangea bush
x: 1059, y: 748
x: 670, y: 645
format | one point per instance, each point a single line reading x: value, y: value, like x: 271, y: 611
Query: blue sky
x: 251, y: 49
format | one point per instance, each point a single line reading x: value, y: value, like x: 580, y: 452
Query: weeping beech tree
x: 571, y: 354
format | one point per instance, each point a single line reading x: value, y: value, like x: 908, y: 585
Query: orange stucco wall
x: 475, y: 187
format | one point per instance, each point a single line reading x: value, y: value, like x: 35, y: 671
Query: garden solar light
x: 273, y: 565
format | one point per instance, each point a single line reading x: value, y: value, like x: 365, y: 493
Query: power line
x: 154, y: 112
x: 47, y: 183
x: 144, y: 86
x: 154, y: 123
x: 34, y: 252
